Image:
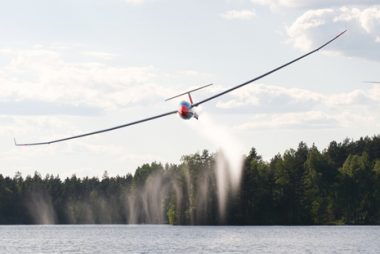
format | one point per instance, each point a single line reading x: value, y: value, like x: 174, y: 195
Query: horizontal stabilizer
x: 196, y: 89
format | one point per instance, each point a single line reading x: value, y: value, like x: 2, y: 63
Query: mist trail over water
x: 40, y: 207
x: 229, y: 160
x: 146, y: 203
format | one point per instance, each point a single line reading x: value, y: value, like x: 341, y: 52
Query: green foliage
x: 339, y: 185
x: 142, y: 173
x: 172, y: 218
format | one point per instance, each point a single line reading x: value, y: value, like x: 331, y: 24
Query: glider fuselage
x: 186, y: 111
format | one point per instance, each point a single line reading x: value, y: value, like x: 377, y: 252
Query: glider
x: 186, y: 108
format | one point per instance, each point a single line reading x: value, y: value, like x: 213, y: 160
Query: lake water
x: 188, y: 239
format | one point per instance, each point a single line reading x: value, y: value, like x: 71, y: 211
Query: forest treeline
x: 303, y: 186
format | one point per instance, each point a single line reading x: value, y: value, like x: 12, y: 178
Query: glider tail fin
x: 188, y: 93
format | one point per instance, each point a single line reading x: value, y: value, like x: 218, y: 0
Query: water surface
x: 188, y: 239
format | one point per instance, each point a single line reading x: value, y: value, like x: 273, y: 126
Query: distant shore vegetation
x: 303, y: 186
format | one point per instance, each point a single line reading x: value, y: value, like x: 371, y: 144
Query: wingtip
x: 342, y: 33
x: 14, y: 140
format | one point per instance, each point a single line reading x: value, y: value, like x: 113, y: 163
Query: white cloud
x: 44, y: 76
x: 268, y: 98
x: 274, y: 3
x: 309, y: 20
x: 135, y: 2
x: 238, y: 15
x: 363, y: 26
x: 100, y: 55
x: 308, y: 119
x: 292, y: 108
x: 321, y: 19
x: 307, y: 4
x: 315, y: 119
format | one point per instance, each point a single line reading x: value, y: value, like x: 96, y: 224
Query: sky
x: 75, y: 66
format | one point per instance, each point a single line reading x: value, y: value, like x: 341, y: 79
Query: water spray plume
x: 229, y: 159
x: 41, y: 208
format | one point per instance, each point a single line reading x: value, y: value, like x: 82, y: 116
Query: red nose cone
x: 184, y: 112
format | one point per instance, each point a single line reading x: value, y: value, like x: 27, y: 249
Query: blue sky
x: 68, y: 67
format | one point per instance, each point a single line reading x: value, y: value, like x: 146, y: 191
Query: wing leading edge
x: 97, y: 132
x: 268, y: 73
x: 193, y: 105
